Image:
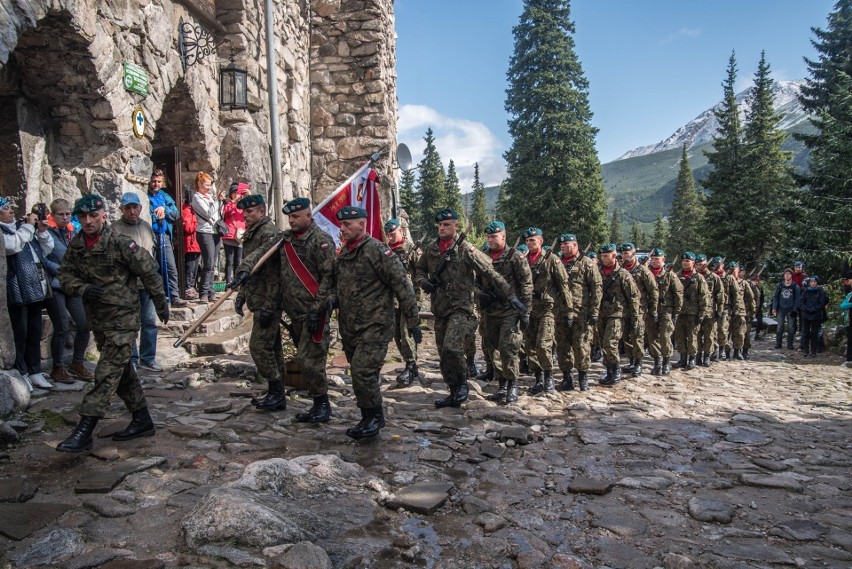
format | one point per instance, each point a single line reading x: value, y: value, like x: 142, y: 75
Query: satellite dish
x: 403, y: 157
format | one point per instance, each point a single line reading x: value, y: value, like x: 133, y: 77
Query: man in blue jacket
x: 164, y: 213
x: 784, y: 303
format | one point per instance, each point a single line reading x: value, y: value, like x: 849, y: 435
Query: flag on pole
x: 360, y: 190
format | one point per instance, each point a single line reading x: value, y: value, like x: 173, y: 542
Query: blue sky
x: 652, y: 65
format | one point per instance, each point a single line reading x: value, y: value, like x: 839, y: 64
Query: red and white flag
x: 360, y: 190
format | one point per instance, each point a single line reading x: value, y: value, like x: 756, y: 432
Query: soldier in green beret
x: 750, y: 307
x: 723, y: 323
x: 408, y: 254
x: 619, y: 302
x: 692, y: 313
x: 670, y: 300
x: 103, y: 265
x: 634, y: 337
x: 707, y: 335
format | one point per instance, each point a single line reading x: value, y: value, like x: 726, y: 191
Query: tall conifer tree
x: 408, y: 201
x: 637, y: 236
x: 660, y: 238
x: 431, y: 185
x: 479, y: 209
x: 452, y: 190
x: 615, y: 231
x: 686, y: 217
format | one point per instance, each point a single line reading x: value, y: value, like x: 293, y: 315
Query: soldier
x: 100, y: 263
x: 634, y: 335
x: 750, y: 302
x: 446, y: 271
x: 408, y: 254
x: 262, y: 295
x: 573, y: 345
x: 715, y: 305
x: 670, y: 301
x: 550, y: 289
x: 523, y: 364
x: 503, y: 327
x: 751, y: 309
x: 597, y: 355
x: 368, y: 277
x: 737, y: 302
x: 619, y: 301
x: 723, y: 320
x: 691, y: 313
x: 307, y: 267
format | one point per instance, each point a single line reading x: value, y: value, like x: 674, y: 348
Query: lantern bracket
x: 196, y: 44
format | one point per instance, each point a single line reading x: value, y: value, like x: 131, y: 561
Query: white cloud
x: 463, y: 141
x: 690, y: 33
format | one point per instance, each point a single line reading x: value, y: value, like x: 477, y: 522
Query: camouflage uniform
x: 694, y: 306
x: 751, y: 310
x: 707, y: 335
x: 739, y: 320
x: 114, y: 263
x: 574, y: 344
x: 368, y: 277
x: 735, y: 311
x: 670, y: 303
x: 550, y: 295
x: 409, y: 255
x: 634, y: 334
x: 723, y: 318
x: 619, y: 301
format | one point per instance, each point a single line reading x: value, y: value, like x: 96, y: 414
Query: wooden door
x: 167, y: 159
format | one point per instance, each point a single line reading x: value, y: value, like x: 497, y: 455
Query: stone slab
x: 103, y: 482
x: 428, y: 428
x: 492, y: 450
x: 422, y: 498
x: 435, y: 455
x: 17, y: 489
x: 711, y: 510
x: 769, y: 481
x: 518, y: 433
x: 17, y: 521
x: 187, y: 432
x: 596, y: 486
x: 134, y: 564
x: 801, y: 530
x: 624, y: 525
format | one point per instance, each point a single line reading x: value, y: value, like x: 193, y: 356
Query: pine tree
x: 431, y: 186
x: 615, y: 233
x: 554, y: 175
x: 479, y: 209
x: 637, y: 235
x: 660, y: 238
x: 452, y: 190
x: 409, y: 202
x: 686, y: 217
x: 824, y: 228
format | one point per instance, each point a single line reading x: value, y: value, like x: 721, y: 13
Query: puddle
x: 427, y: 538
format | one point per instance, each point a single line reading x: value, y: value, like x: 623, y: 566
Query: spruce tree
x: 479, y: 209
x: 408, y: 201
x: 637, y: 235
x: 686, y: 217
x: 554, y: 175
x: 660, y: 238
x: 431, y: 185
x: 615, y: 233
x: 452, y: 190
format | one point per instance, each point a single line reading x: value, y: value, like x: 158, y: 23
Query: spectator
x: 27, y: 287
x: 139, y: 230
x: 191, y: 249
x: 61, y: 308
x: 164, y: 213
x: 233, y: 217
x: 784, y: 303
x: 799, y: 275
x: 207, y: 211
x: 847, y: 316
x: 811, y: 310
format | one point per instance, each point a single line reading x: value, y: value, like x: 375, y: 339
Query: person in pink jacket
x: 237, y: 224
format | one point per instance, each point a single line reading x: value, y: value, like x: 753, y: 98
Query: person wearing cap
x: 759, y: 299
x: 634, y: 332
x: 738, y: 304
x: 523, y: 365
x: 447, y: 271
x: 102, y: 265
x: 409, y: 254
x: 263, y: 295
x: 750, y: 301
x: 707, y: 336
x: 597, y: 355
x: 164, y: 213
x: 659, y: 331
x: 369, y: 277
x: 551, y: 295
x: 619, y: 303
x: 502, y: 326
x: 811, y: 308
x: 574, y: 343
x: 691, y: 313
x: 717, y: 266
x: 139, y: 230
x: 785, y: 299
x: 233, y: 217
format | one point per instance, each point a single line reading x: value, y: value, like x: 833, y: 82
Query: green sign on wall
x: 135, y: 79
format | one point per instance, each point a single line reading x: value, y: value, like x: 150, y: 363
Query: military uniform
x: 409, y: 255
x: 751, y: 311
x: 634, y: 334
x: 660, y: 331
x: 715, y: 305
x: 740, y: 322
x: 690, y: 317
x: 735, y: 314
x: 619, y: 301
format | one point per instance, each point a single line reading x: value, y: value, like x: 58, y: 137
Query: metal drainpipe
x: 272, y: 89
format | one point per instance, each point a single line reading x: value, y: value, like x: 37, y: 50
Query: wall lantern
x: 195, y: 44
x: 232, y: 86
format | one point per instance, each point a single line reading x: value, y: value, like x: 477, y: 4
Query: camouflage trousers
x: 450, y: 334
x: 686, y: 335
x: 265, y: 349
x: 634, y: 336
x: 738, y: 331
x: 747, y: 337
x: 707, y: 335
x: 722, y: 329
x: 538, y: 342
x: 114, y: 374
x: 574, y: 345
x: 470, y: 339
x: 501, y: 342
x: 403, y: 340
x: 659, y: 335
x: 609, y: 332
x: 365, y: 364
x: 311, y: 358
x: 486, y: 353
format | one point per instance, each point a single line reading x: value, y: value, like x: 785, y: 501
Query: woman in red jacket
x: 191, y: 249
x: 233, y: 217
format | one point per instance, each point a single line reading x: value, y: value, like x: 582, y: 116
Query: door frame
x: 168, y: 160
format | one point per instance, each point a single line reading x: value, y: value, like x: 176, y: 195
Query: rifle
x: 586, y: 250
x: 435, y: 277
x: 550, y: 251
x: 517, y: 241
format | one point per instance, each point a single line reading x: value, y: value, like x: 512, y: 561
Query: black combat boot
x: 705, y: 360
x: 629, y: 367
x: 488, y: 374
x: 597, y: 354
x: 320, y: 412
x: 140, y: 426
x: 738, y: 355
x: 538, y: 386
x: 690, y: 363
x: 523, y: 365
x: 608, y: 377
x: 714, y: 355
x: 667, y: 366
x: 613, y: 374
x: 745, y: 353
x: 372, y: 420
x: 472, y: 370
x: 727, y: 354
x: 567, y: 383
x: 616, y: 374
x: 500, y: 394
x: 448, y: 400
x: 461, y: 394
x: 681, y: 363
x: 275, y: 399
x: 81, y: 437
x: 511, y: 392
x: 404, y: 377
x: 637, y: 369
x: 548, y: 381
x: 658, y: 367
x: 583, y: 378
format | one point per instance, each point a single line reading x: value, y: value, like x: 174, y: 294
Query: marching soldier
x: 574, y: 344
x: 503, y: 327
x: 692, y: 313
x: 596, y: 341
x: 751, y: 308
x: 717, y: 266
x: 101, y: 264
x: 550, y: 287
x: 446, y: 271
x: 619, y: 301
x: 408, y: 254
x: 523, y: 364
x: 707, y: 335
x: 670, y: 300
x: 634, y: 336
x: 368, y: 277
x: 737, y: 302
x: 750, y: 303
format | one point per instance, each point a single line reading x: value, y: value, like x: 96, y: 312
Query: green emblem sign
x: 135, y: 79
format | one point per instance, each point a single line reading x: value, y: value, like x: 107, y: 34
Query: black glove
x: 486, y: 298
x: 266, y: 319
x: 656, y: 318
x: 427, y: 286
x: 238, y: 305
x: 93, y: 292
x: 569, y: 322
x: 524, y: 322
x: 518, y: 305
x: 416, y: 334
x: 700, y: 319
x: 163, y: 315
x: 239, y: 280
x: 674, y: 319
x: 313, y: 322
x: 592, y: 320
x: 331, y: 304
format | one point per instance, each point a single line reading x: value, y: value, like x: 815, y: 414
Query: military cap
x: 351, y: 212
x: 628, y: 247
x: 4, y: 201
x: 446, y: 214
x: 495, y: 226
x: 716, y: 261
x: 742, y: 266
x: 88, y: 204
x: 731, y: 265
x: 700, y: 258
x: 608, y: 248
x: 546, y: 248
x: 688, y: 255
x: 295, y: 205
x: 657, y: 252
x: 522, y: 248
x: 391, y: 225
x: 592, y: 255
x: 533, y: 232
x: 250, y: 201
x: 567, y: 238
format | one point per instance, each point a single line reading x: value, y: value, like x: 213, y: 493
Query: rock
x: 473, y: 505
x: 583, y: 485
x: 109, y: 508
x: 309, y: 474
x: 621, y: 524
x: 435, y: 455
x: 428, y: 428
x: 102, y: 482
x: 303, y: 555
x: 96, y: 558
x: 53, y: 549
x: 8, y: 434
x: 76, y: 386
x: 649, y: 482
x: 233, y: 555
x: 17, y: 521
x: 518, y: 433
x: 491, y: 522
x: 492, y: 450
x: 218, y: 406
x: 745, y: 435
x: 754, y: 552
x: 677, y: 561
x: 770, y: 481
x: 14, y: 394
x: 800, y: 530
x: 711, y: 511
x: 134, y: 564
x: 773, y: 465
x: 422, y: 498
x: 17, y: 489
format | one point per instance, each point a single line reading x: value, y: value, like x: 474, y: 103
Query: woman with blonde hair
x: 206, y: 209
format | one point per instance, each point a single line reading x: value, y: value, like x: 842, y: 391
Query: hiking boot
x: 582, y: 378
x: 81, y: 438
x: 548, y: 381
x: 511, y: 392
x: 60, y: 375
x: 567, y: 383
x: 538, y: 386
x: 500, y: 394
x: 141, y: 426
x: 274, y: 400
x: 637, y: 369
x: 320, y: 411
x: 372, y: 420
x: 658, y: 367
x: 667, y: 366
x: 738, y: 355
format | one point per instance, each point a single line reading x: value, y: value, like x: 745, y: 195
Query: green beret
x: 495, y: 227
x: 446, y: 214
x: 716, y: 261
x: 391, y: 225
x: 250, y: 201
x: 731, y: 265
x: 592, y: 255
x: 688, y: 255
x: 533, y: 232
x: 567, y: 238
x: 351, y: 212
x: 657, y: 252
x: 608, y: 248
x: 522, y: 248
x: 628, y: 247
x: 88, y: 204
x: 700, y: 258
x: 546, y: 248
x: 295, y: 205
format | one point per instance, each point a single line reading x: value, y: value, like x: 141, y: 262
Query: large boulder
x: 7, y: 340
x: 14, y: 394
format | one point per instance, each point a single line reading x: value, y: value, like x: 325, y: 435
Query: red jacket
x: 190, y: 224
x: 234, y: 218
